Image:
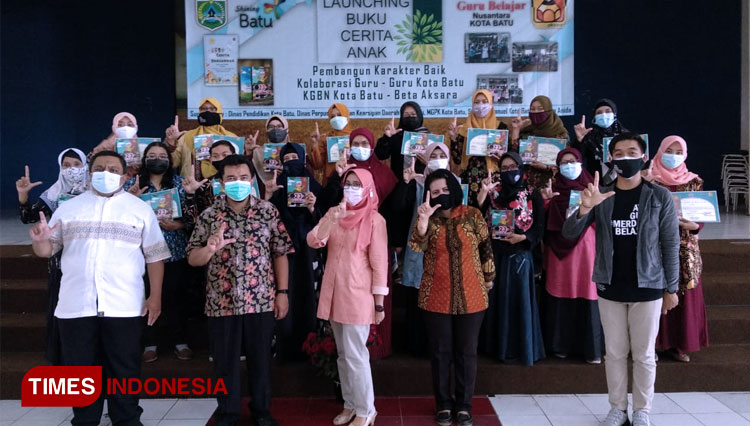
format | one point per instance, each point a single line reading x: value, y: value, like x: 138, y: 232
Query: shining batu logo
x: 80, y: 386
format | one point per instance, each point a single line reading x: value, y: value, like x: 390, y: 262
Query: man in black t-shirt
x: 636, y: 272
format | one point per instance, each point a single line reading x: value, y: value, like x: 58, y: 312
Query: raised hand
x: 488, y: 185
x: 649, y: 175
x: 310, y: 200
x: 107, y: 144
x: 422, y: 159
x: 425, y: 211
x: 410, y: 173
x: 453, y: 128
x: 24, y: 184
x: 581, y: 130
x: 217, y: 241
x: 41, y: 231
x: 173, y: 133
x: 315, y: 136
x: 592, y: 196
x: 339, y: 212
x: 136, y: 188
x: 251, y: 143
x: 191, y: 185
x: 271, y: 185
x: 390, y: 128
x: 518, y: 122
x: 342, y: 166
x: 547, y: 193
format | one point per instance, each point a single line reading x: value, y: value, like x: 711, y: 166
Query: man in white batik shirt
x: 109, y: 238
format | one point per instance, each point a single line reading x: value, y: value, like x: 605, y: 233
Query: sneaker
x: 150, y: 356
x: 594, y: 361
x: 464, y: 419
x: 640, y: 418
x: 616, y: 418
x: 444, y: 418
x: 184, y: 354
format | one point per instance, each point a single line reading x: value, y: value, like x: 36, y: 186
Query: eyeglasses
x: 508, y: 168
x: 353, y: 186
x: 275, y: 127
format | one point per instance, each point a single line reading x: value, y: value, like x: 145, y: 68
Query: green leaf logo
x: 420, y: 38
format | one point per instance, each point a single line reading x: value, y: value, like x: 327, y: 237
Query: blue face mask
x: 604, y: 120
x: 571, y: 171
x: 672, y: 161
x: 360, y: 154
x: 238, y: 190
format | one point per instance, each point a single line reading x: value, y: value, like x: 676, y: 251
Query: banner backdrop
x: 297, y: 57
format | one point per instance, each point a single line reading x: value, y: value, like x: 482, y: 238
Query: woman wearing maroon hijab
x: 571, y: 317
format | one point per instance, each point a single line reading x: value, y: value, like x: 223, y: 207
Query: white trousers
x: 630, y: 328
x: 354, y: 367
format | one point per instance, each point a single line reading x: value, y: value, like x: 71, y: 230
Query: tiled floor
x: 670, y: 409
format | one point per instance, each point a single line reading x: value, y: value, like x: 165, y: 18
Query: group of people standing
x: 620, y: 275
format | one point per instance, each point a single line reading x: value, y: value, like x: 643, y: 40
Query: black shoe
x: 444, y: 418
x: 464, y: 419
x: 264, y: 421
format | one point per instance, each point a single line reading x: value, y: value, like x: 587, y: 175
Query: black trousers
x: 229, y: 335
x: 453, y: 341
x: 174, y: 302
x: 113, y: 343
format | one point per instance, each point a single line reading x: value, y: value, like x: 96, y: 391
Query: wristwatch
x: 379, y: 308
x: 284, y: 291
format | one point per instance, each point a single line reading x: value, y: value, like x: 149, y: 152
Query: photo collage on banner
x: 297, y: 57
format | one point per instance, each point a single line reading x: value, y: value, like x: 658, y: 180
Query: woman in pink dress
x: 684, y: 329
x: 571, y: 315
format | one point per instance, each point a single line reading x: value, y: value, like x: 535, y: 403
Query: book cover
x: 528, y: 150
x: 497, y: 142
x: 503, y: 223
x: 132, y: 149
x: 548, y: 148
x: 165, y: 204
x: 698, y: 206
x: 296, y: 190
x: 415, y: 142
x: 337, y: 145
x: 272, y: 156
x: 574, y: 203
x: 476, y: 142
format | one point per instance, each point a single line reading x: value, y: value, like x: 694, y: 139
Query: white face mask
x: 437, y: 164
x: 353, y: 195
x: 339, y: 122
x: 105, y: 182
x: 126, y: 132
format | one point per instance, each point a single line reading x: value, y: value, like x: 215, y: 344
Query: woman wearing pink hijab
x: 124, y: 126
x: 683, y: 329
x: 353, y: 288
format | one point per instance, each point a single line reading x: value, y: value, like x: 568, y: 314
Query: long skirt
x: 512, y: 329
x: 573, y: 326
x: 685, y: 327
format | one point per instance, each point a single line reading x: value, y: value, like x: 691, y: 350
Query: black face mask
x: 628, y: 167
x: 157, y: 166
x: 216, y: 164
x: 410, y: 123
x: 511, y: 177
x: 294, y: 168
x: 444, y: 200
x: 209, y: 118
x: 276, y: 135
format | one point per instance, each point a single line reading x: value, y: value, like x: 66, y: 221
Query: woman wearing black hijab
x: 389, y: 145
x: 512, y: 329
x: 588, y: 141
x: 293, y: 329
